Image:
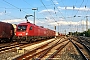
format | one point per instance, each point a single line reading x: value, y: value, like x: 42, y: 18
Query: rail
x: 78, y: 49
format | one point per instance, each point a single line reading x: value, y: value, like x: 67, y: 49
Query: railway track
x: 12, y: 48
x: 8, y: 47
x: 85, y: 41
x: 50, y: 51
x: 82, y: 48
x: 61, y: 49
x: 44, y: 51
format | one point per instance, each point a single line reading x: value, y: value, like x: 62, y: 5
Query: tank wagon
x: 6, y: 32
x: 30, y: 32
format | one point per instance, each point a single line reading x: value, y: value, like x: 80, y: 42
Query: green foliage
x: 85, y: 33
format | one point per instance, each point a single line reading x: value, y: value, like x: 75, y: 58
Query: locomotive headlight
x: 26, y: 33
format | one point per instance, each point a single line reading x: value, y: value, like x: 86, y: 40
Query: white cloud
x: 47, y: 11
x: 63, y: 22
x: 76, y: 8
x: 2, y: 13
x: 82, y: 9
x: 51, y: 22
x: 14, y: 20
x: 55, y: 2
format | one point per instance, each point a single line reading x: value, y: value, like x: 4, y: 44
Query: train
x: 26, y: 31
x: 6, y: 32
x: 30, y: 32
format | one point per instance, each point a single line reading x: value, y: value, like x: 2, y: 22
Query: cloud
x: 55, y: 2
x: 2, y: 13
x: 63, y: 22
x: 76, y: 8
x: 51, y: 22
x: 14, y: 20
x: 47, y: 11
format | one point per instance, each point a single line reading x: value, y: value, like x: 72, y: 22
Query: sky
x: 66, y: 15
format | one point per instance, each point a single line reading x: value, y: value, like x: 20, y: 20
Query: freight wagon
x: 6, y: 32
x: 30, y: 32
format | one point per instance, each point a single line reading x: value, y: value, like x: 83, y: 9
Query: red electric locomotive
x: 30, y: 32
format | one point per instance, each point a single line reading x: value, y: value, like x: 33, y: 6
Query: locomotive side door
x: 31, y: 30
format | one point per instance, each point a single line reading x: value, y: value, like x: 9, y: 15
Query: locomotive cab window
x: 30, y: 28
x: 22, y: 28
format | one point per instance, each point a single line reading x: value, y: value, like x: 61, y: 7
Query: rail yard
x: 44, y: 29
x: 61, y: 48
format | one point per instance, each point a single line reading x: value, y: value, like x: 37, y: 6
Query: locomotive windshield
x: 22, y: 28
